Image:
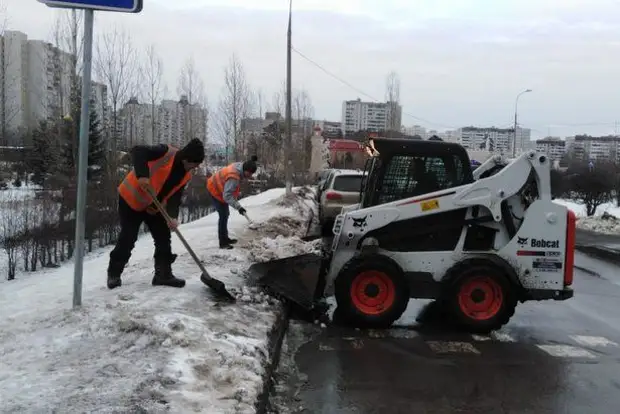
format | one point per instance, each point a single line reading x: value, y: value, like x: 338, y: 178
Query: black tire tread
x: 460, y: 271
x: 348, y: 313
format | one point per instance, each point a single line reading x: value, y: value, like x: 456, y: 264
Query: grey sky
x: 461, y: 62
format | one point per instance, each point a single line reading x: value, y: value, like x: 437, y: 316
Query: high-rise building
x: 35, y: 85
x: 373, y: 116
x: 13, y: 85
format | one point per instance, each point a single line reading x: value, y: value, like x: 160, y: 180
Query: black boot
x: 231, y: 241
x: 226, y: 245
x: 163, y: 275
x: 114, y: 275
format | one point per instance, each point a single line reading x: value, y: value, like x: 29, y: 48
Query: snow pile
x: 606, y: 219
x: 142, y: 348
x: 266, y: 249
x: 605, y: 223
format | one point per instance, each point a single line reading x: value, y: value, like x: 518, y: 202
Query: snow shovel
x: 217, y: 286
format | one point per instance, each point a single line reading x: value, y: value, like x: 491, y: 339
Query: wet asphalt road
x: 553, y: 357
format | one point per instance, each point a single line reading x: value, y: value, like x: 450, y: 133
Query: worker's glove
x: 152, y: 209
x: 242, y: 211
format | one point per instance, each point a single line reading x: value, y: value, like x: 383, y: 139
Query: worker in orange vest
x: 165, y: 171
x: 224, y: 187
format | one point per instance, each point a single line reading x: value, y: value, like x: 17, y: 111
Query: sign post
x: 89, y: 7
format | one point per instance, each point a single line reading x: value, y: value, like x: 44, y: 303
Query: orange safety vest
x: 215, y: 183
x: 159, y: 169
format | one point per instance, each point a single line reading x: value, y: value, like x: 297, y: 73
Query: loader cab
x: 408, y: 168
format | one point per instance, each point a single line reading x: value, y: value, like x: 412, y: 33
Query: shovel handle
x: 168, y: 219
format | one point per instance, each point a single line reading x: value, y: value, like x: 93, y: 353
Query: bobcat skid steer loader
x: 428, y: 227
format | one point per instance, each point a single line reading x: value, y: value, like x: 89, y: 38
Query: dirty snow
x: 146, y: 349
x: 605, y: 220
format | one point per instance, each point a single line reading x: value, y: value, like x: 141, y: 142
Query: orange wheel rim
x: 373, y: 292
x: 480, y: 298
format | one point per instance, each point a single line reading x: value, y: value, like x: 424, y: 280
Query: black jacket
x: 142, y: 155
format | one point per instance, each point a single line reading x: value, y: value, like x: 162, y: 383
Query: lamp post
x: 514, y: 137
x: 289, y: 122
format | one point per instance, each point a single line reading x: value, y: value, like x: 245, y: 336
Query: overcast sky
x: 461, y: 62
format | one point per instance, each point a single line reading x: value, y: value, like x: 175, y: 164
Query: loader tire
x: 480, y: 296
x: 371, y: 292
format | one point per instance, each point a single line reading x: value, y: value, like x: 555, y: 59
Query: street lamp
x: 288, y: 168
x: 514, y: 138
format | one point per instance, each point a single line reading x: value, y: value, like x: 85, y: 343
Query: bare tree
x: 115, y: 65
x: 303, y: 111
x: 192, y: 90
x: 259, y: 100
x: 235, y: 105
x: 591, y: 185
x: 392, y: 97
x: 10, y: 231
x: 278, y: 100
x: 153, y: 75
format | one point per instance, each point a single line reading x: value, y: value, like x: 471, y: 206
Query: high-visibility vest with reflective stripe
x: 159, y: 169
x: 215, y: 183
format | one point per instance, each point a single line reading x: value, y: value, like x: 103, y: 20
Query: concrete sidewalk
x: 602, y: 246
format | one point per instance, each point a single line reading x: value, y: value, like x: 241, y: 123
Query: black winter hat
x: 250, y: 165
x: 194, y: 151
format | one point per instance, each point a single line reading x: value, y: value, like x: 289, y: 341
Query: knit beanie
x: 193, y: 152
x: 250, y: 165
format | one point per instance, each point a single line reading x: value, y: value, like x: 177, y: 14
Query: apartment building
x: 13, y: 84
x: 35, y: 84
x: 373, y: 116
x: 170, y: 122
x: 588, y: 148
x: 554, y: 147
x: 495, y: 140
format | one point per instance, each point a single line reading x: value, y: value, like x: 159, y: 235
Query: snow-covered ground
x: 149, y: 349
x: 606, y: 220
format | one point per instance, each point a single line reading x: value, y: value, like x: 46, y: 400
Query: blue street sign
x: 127, y: 6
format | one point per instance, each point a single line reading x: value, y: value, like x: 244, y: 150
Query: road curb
x: 276, y: 338
x: 603, y: 253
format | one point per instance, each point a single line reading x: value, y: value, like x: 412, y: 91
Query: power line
x: 361, y: 92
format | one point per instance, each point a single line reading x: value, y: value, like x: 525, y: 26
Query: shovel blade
x: 217, y: 287
x: 294, y: 278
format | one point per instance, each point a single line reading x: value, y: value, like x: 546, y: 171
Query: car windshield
x: 348, y: 183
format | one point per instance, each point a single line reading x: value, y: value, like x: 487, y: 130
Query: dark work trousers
x: 131, y: 221
x: 223, y: 211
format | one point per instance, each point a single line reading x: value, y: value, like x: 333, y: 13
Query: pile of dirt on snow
x: 265, y: 249
x: 298, y: 199
x: 286, y: 226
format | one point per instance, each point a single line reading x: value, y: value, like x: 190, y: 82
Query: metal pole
x: 514, y: 137
x: 289, y: 112
x: 80, y: 210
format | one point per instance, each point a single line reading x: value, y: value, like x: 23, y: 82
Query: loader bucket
x: 295, y: 278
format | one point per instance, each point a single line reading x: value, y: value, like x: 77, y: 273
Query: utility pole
x: 288, y: 152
